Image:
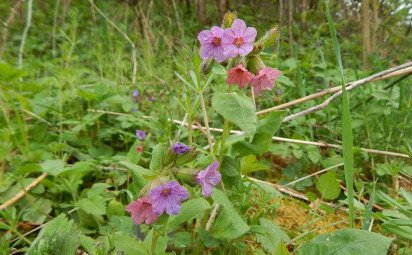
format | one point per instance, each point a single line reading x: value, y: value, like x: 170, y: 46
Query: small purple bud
x: 135, y: 93
x: 180, y: 148
x: 278, y: 92
x: 140, y: 134
x: 151, y: 99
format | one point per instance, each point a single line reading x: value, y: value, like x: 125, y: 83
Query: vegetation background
x: 67, y: 72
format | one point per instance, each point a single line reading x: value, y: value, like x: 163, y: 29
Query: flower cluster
x: 221, y: 44
x: 167, y: 197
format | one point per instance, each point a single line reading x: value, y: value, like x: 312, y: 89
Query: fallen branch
x: 395, y: 71
x: 23, y: 192
x: 274, y: 138
x: 406, y: 69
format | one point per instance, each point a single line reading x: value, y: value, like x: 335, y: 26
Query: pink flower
x: 239, y: 75
x: 209, y: 178
x: 265, y: 79
x: 167, y: 197
x: 211, y: 44
x: 238, y: 40
x: 141, y: 211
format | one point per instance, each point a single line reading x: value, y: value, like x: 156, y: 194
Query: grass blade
x: 347, y: 137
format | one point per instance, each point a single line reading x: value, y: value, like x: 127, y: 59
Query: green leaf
x: 237, y: 108
x: 128, y: 245
x: 270, y: 235
x: 132, y: 155
x: 229, y: 224
x: 53, y: 167
x: 95, y: 205
x: 161, y: 242
x: 266, y: 129
x: 282, y: 249
x: 230, y: 170
x: 328, y: 186
x: 250, y: 164
x: 157, y: 155
x: 347, y: 241
x: 38, y: 211
x: 58, y: 237
x: 115, y: 208
x: 347, y: 137
x: 190, y: 209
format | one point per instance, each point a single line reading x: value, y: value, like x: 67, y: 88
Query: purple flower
x: 141, y: 211
x: 167, y: 197
x: 265, y: 79
x: 238, y: 40
x: 151, y: 99
x: 211, y: 44
x: 209, y: 178
x: 135, y: 93
x: 140, y: 134
x: 180, y: 148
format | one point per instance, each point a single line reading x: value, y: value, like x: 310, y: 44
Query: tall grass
x: 347, y: 137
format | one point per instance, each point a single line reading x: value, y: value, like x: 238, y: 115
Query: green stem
x: 224, y: 134
x: 154, y: 242
x: 189, y: 128
x: 206, y: 120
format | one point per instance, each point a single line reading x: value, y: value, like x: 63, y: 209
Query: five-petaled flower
x: 140, y: 134
x: 180, y: 148
x: 238, y: 40
x: 239, y: 75
x: 141, y: 211
x: 168, y: 197
x: 264, y: 80
x: 211, y: 44
x: 209, y: 178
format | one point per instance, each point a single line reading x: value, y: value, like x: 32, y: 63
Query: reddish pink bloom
x: 139, y: 148
x: 239, y: 75
x: 265, y: 79
x: 141, y: 211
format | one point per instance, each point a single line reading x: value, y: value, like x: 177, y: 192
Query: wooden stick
x: 406, y: 68
x: 395, y: 71
x: 23, y: 192
x: 25, y: 32
x: 274, y: 138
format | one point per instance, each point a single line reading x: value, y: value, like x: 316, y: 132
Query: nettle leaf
x: 190, y: 209
x: 347, y: 241
x: 53, y: 167
x: 229, y: 224
x: 266, y: 129
x: 38, y: 211
x: 270, y: 235
x: 238, y: 109
x: 132, y: 155
x: 250, y: 164
x: 328, y: 186
x: 230, y: 170
x: 95, y: 205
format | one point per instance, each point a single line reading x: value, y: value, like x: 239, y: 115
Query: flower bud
x: 254, y: 63
x: 269, y: 38
x: 187, y: 175
x: 186, y: 157
x: 228, y: 19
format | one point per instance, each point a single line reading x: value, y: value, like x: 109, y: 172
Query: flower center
x: 166, y: 191
x: 238, y: 42
x: 216, y: 41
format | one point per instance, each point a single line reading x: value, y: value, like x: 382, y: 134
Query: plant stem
x: 206, y: 120
x: 224, y: 134
x: 154, y: 241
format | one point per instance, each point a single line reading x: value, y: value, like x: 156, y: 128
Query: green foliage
x: 237, y: 108
x: 328, y: 186
x: 347, y: 241
x: 190, y: 209
x: 229, y: 224
x: 59, y: 237
x: 270, y: 236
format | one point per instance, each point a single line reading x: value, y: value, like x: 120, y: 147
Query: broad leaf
x: 237, y: 108
x: 250, y: 164
x: 230, y: 170
x: 53, y: 167
x: 95, y: 205
x: 270, y: 235
x: 347, y: 241
x: 129, y: 245
x: 229, y: 224
x: 328, y: 186
x: 190, y: 209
